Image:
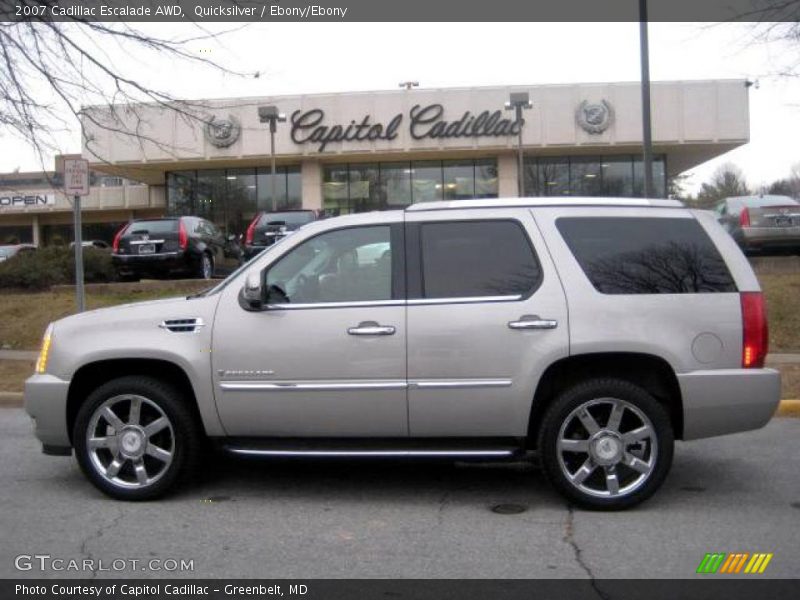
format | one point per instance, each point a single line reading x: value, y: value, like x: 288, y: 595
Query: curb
x: 786, y: 408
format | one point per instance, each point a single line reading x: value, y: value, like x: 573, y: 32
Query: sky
x: 295, y: 58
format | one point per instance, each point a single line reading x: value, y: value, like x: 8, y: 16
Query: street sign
x: 76, y: 177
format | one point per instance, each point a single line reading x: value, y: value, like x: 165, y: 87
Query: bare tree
x: 728, y: 180
x: 50, y: 70
x: 788, y: 186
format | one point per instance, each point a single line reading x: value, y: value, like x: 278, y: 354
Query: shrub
x: 54, y: 266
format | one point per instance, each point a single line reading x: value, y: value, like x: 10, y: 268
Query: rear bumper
x: 150, y: 263
x: 770, y: 236
x: 728, y: 400
x: 46, y: 403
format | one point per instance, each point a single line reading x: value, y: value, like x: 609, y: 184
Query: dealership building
x: 362, y: 151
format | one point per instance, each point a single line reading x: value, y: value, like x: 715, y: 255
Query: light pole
x: 519, y: 101
x: 408, y: 84
x: 647, y: 138
x: 270, y: 114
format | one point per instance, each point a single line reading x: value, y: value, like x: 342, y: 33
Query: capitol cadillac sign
x: 8, y: 200
x: 430, y: 121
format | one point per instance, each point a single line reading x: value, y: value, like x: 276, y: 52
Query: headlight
x: 44, y: 353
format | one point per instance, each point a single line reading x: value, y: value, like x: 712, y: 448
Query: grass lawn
x: 783, y: 310
x: 26, y: 315
x: 13, y: 374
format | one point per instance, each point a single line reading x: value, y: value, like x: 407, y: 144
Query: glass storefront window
x: 615, y: 175
x: 486, y: 181
x: 287, y: 188
x: 379, y: 186
x: 659, y: 177
x: 584, y: 177
x: 364, y: 188
x: 16, y: 234
x: 553, y: 177
x: 181, y: 191
x: 396, y: 184
x: 617, y: 172
x: 335, y: 191
x: 459, y: 179
x: 230, y: 198
x: 426, y: 181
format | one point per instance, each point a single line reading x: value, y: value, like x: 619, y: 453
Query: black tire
x: 185, y: 434
x: 602, y: 393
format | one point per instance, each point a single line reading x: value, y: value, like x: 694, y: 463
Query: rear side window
x: 646, y: 255
x: 477, y: 258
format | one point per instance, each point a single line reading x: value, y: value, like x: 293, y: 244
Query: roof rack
x: 545, y: 201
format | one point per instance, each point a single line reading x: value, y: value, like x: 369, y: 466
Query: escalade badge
x: 236, y: 373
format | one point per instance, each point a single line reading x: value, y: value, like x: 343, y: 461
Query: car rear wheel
x: 606, y: 444
x: 206, y: 269
x: 135, y: 438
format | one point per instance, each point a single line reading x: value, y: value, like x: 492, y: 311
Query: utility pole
x: 647, y: 138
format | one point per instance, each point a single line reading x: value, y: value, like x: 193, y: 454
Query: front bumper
x: 46, y: 403
x: 728, y: 400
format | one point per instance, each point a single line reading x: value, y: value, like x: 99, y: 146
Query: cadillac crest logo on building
x: 594, y: 117
x: 222, y: 132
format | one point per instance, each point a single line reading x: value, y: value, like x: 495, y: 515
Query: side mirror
x: 252, y: 294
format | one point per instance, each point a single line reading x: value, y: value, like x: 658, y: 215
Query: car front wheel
x: 135, y: 437
x: 606, y: 444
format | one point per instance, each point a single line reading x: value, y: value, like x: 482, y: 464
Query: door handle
x: 371, y: 328
x: 533, y: 322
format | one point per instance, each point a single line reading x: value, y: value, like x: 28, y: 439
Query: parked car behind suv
x: 761, y: 222
x: 12, y: 250
x: 591, y: 332
x: 266, y: 228
x: 182, y: 246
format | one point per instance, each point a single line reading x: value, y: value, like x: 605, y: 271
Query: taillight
x: 744, y: 217
x: 183, y: 239
x: 251, y: 230
x: 115, y: 243
x: 755, y: 335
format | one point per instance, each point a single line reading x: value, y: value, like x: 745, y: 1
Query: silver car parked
x: 762, y: 222
x: 589, y: 332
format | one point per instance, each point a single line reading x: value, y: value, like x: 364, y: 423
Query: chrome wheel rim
x: 206, y: 267
x: 607, y: 448
x: 130, y: 441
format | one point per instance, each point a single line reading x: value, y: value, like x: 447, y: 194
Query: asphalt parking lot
x: 383, y: 520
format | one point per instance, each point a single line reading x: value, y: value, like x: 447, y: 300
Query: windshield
x: 291, y: 218
x: 154, y: 226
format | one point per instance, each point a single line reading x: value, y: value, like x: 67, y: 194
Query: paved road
x: 346, y: 519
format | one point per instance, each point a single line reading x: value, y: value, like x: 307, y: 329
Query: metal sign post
x: 76, y: 183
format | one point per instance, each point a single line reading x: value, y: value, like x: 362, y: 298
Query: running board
x: 455, y: 453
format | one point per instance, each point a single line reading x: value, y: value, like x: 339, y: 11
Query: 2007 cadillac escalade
x: 590, y: 332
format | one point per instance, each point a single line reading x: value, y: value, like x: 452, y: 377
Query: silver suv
x: 589, y: 333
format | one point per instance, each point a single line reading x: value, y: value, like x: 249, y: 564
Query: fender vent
x: 182, y: 325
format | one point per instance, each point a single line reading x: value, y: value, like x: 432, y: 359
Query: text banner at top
x: 208, y: 11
